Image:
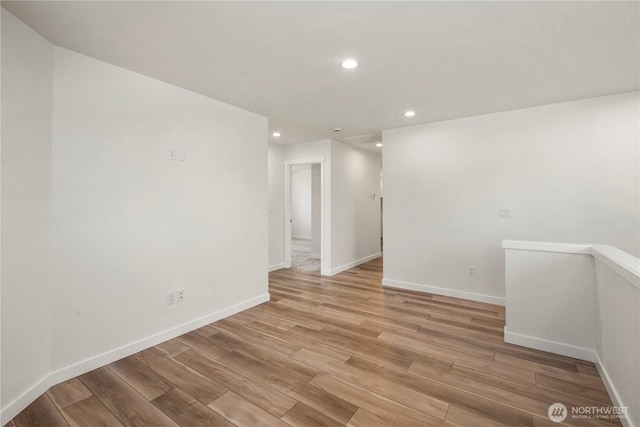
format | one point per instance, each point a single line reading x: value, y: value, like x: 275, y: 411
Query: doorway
x: 304, y: 207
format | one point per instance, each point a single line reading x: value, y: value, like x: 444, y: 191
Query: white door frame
x: 325, y: 267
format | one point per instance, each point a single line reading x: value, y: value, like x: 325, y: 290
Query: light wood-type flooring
x: 331, y: 352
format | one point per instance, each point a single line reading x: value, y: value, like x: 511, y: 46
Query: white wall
x: 351, y: 217
x: 130, y: 225
x: 310, y: 152
x: 355, y: 226
x: 98, y: 224
x: 316, y: 212
x: 581, y: 301
x: 301, y: 202
x: 568, y: 172
x: 618, y: 337
x: 276, y: 206
x: 27, y: 80
x: 551, y: 298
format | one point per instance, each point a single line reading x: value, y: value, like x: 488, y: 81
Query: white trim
x: 110, y: 356
x: 19, y: 404
x: 549, y: 346
x: 355, y: 263
x: 13, y: 408
x: 611, y: 389
x: 567, y: 248
x: 275, y: 267
x: 295, y: 236
x: 621, y: 263
x: 325, y: 213
x: 625, y: 265
x: 443, y: 291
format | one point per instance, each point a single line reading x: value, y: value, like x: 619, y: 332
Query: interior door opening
x: 303, y: 216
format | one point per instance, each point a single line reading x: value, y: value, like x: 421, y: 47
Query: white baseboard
x: 275, y: 267
x: 16, y: 406
x: 443, y: 291
x: 301, y: 237
x: 347, y: 266
x: 575, y: 352
x: 613, y: 392
x: 562, y: 349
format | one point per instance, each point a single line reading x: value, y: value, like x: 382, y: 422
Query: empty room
x: 320, y: 213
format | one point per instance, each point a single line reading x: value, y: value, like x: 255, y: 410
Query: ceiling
x: 443, y: 60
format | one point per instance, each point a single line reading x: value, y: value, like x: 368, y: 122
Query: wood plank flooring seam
x: 332, y: 351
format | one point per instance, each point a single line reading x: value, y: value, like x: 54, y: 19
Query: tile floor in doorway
x: 301, y: 256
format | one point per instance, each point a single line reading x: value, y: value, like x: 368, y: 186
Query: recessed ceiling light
x: 409, y: 114
x: 350, y: 64
x: 379, y: 144
x: 276, y: 134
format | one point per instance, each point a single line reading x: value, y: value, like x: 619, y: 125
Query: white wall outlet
x: 471, y: 270
x: 177, y: 153
x: 180, y: 295
x: 504, y: 213
x: 171, y: 298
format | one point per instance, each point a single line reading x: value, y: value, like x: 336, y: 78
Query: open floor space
x: 329, y: 352
x: 194, y: 196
